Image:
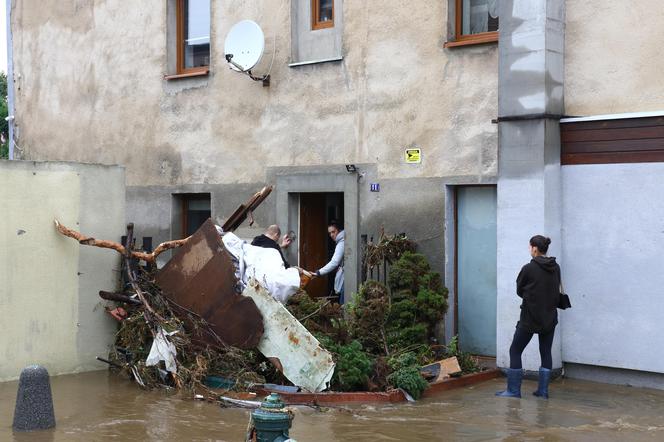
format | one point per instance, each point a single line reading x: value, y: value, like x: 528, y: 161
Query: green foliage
x: 431, y: 305
x: 404, y: 337
x: 405, y: 274
x: 404, y: 360
x: 467, y: 362
x: 354, y: 365
x: 368, y: 315
x: 406, y: 374
x: 381, y: 323
x: 319, y: 317
x: 403, y: 314
x: 419, y: 301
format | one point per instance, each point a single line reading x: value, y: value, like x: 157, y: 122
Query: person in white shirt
x: 338, y: 235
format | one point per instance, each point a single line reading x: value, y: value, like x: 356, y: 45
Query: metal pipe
x: 10, y: 78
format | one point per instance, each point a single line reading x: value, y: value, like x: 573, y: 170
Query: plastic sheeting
x: 263, y: 265
x: 163, y: 350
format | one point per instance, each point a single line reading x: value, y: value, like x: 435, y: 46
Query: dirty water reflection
x: 100, y: 406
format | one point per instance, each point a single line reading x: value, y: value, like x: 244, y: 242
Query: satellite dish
x: 244, y: 45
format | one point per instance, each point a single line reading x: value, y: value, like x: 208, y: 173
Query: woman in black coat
x: 538, y: 284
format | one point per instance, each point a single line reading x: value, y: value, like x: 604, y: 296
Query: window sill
x: 200, y: 73
x: 304, y: 63
x: 469, y: 40
x: 322, y: 25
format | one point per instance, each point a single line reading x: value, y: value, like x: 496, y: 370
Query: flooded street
x: 99, y: 406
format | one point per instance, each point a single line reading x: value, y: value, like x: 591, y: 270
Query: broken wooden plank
x: 246, y: 210
x: 441, y: 370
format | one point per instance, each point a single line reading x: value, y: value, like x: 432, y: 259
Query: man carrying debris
x: 268, y: 240
x: 338, y: 235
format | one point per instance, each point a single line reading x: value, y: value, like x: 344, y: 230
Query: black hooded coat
x: 538, y: 284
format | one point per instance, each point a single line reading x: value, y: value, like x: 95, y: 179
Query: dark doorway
x: 195, y: 211
x: 315, y: 246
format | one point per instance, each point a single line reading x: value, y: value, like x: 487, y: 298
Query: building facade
x: 480, y: 87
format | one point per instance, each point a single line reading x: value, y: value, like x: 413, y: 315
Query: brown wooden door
x: 313, y: 239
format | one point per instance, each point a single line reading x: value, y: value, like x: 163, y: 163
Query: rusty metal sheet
x: 201, y: 278
x: 286, y: 342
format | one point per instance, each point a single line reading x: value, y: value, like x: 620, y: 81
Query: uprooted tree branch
x: 122, y: 250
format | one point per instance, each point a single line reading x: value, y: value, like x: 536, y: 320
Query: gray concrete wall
x: 613, y: 61
x: 617, y: 376
x: 415, y: 206
x: 53, y: 315
x: 310, y: 46
x: 529, y: 188
x: 614, y: 225
x: 103, y: 98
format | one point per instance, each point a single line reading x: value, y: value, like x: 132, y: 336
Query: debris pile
x: 387, y: 335
x: 192, y: 359
x: 210, y: 312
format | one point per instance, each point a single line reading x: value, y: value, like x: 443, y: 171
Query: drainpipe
x: 10, y: 79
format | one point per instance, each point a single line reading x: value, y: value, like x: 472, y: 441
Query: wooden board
x: 627, y: 140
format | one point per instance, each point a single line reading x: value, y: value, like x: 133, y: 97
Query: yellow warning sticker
x: 414, y: 155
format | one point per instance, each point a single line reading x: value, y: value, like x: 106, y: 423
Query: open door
x: 315, y: 246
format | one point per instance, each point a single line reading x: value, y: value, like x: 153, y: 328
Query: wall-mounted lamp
x: 350, y: 168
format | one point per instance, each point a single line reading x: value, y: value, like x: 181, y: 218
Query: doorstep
x: 368, y: 397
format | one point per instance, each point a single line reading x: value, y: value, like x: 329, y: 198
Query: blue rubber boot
x: 514, y: 376
x: 543, y: 384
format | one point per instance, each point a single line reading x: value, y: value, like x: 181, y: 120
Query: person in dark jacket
x: 268, y: 240
x: 538, y: 285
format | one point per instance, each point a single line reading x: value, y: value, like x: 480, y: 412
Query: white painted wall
x: 51, y: 312
x: 613, y: 270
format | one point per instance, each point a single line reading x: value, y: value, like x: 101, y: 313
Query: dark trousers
x: 521, y: 340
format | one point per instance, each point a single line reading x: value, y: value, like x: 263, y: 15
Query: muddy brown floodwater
x: 100, y: 406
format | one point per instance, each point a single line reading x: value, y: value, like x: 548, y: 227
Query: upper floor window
x: 322, y: 14
x: 475, y: 21
x: 193, y: 36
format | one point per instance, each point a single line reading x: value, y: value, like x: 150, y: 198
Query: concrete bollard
x: 34, y: 402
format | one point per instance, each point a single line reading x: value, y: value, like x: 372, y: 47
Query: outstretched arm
x: 335, y: 261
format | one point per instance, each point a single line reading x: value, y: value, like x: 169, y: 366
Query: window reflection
x: 479, y: 16
x: 325, y: 11
x: 196, y: 33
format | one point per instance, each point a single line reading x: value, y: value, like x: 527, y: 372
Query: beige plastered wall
x: 51, y: 313
x: 91, y: 74
x: 613, y: 56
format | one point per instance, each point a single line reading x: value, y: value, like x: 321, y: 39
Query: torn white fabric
x: 265, y: 266
x: 162, y: 350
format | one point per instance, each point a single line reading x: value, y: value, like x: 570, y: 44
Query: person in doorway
x: 338, y: 235
x: 268, y: 240
x: 538, y: 284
